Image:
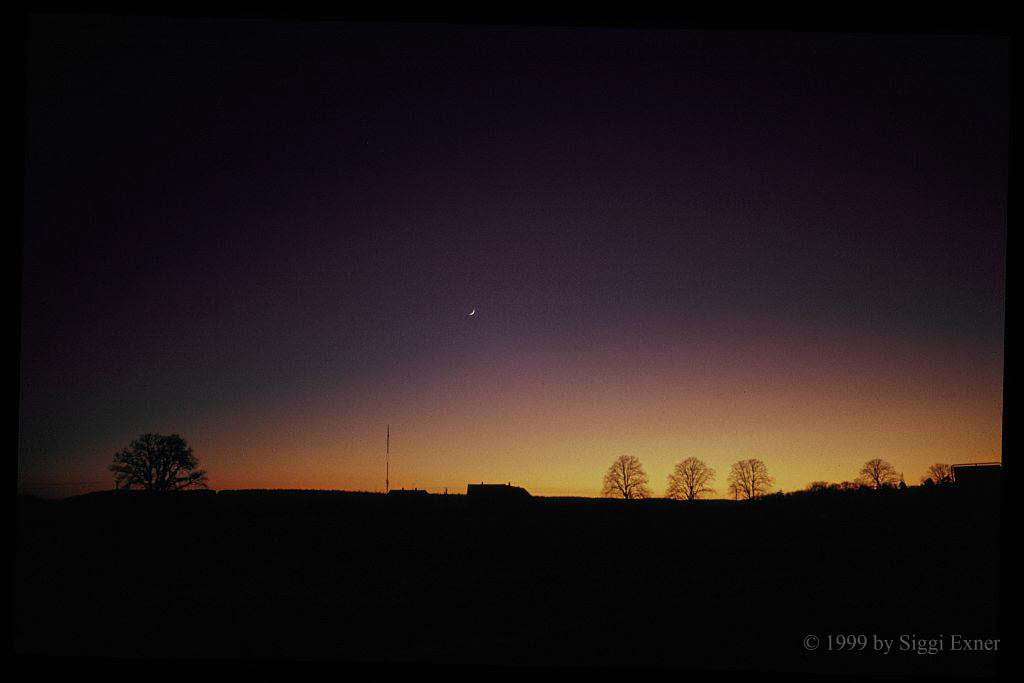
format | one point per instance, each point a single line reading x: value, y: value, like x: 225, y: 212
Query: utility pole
x: 387, y: 461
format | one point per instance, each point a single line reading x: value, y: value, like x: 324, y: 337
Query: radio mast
x: 387, y: 461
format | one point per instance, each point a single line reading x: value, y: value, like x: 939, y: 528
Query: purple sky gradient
x: 234, y: 224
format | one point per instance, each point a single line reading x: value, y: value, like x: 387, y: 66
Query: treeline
x: 692, y: 479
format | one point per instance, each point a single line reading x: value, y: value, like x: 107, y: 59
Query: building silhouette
x: 980, y: 476
x: 496, y: 492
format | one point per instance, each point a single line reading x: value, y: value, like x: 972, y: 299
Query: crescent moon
x: 472, y: 312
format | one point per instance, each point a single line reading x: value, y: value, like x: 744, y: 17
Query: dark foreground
x: 363, y: 578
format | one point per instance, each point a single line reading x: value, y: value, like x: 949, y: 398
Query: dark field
x: 553, y: 582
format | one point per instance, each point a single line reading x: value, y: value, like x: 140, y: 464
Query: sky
x: 268, y: 236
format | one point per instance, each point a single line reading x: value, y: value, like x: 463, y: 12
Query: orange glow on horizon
x: 553, y: 423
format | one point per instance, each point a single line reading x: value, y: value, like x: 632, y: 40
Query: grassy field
x: 552, y: 582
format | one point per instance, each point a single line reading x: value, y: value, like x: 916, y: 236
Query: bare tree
x: 157, y: 463
x: 879, y: 474
x: 749, y: 479
x: 939, y: 473
x: 626, y: 479
x: 690, y: 480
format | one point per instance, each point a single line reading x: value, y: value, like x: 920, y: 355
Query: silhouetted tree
x: 749, y: 479
x: 939, y: 473
x: 819, y: 486
x: 879, y: 474
x: 690, y: 480
x: 157, y: 463
x: 626, y: 479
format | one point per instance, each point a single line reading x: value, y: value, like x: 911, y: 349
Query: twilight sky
x: 267, y: 237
